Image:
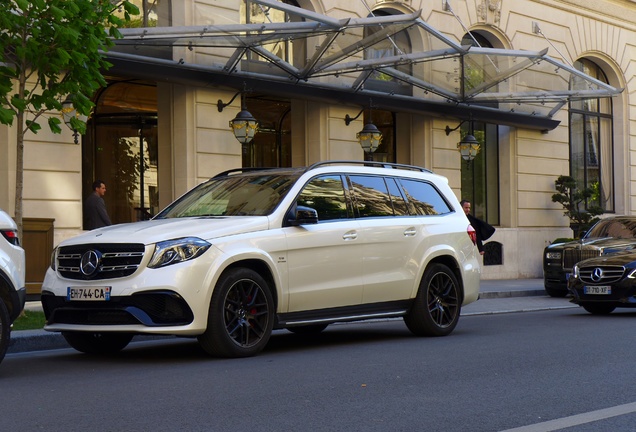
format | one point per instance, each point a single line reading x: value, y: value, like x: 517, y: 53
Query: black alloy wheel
x: 241, y: 315
x: 436, y: 309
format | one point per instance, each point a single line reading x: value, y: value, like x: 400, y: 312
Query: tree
x: 51, y: 50
x: 575, y: 204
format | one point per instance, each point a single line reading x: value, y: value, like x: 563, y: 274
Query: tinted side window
x: 424, y: 198
x: 326, y: 195
x: 371, y: 196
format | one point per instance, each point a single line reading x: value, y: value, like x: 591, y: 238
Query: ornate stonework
x: 489, y: 11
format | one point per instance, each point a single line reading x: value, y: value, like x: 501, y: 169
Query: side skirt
x: 343, y: 314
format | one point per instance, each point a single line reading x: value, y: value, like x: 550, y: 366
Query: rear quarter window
x: 423, y: 198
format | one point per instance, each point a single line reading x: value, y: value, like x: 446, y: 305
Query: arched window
x: 480, y: 178
x: 591, y: 142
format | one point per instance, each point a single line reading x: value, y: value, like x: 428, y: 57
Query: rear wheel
x: 97, y: 343
x: 435, y: 310
x: 5, y: 329
x: 241, y: 315
x: 599, y: 308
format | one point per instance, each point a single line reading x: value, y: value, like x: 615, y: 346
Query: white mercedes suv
x: 253, y: 250
x: 12, y: 279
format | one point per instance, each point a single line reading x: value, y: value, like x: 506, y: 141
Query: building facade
x: 161, y: 126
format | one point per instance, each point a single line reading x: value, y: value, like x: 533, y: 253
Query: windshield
x: 245, y: 195
x: 616, y: 228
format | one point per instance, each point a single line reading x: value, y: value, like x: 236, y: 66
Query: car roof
x: 344, y: 163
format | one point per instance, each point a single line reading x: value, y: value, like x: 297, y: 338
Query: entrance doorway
x: 121, y: 150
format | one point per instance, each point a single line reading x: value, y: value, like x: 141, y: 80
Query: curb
x: 509, y: 294
x: 35, y: 340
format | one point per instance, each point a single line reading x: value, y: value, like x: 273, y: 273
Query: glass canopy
x: 349, y: 60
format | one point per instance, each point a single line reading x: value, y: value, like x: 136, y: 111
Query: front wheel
x: 599, y: 308
x: 241, y: 315
x: 5, y: 329
x: 97, y: 343
x: 435, y: 310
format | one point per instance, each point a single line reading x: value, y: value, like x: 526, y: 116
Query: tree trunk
x: 19, y: 174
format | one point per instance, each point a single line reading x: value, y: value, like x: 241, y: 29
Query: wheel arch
x: 262, y: 268
x: 453, y: 265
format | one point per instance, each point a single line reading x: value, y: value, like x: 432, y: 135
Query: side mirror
x: 304, y: 216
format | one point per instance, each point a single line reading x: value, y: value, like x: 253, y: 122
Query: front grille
x: 114, y: 260
x: 601, y: 275
x: 572, y: 256
x: 152, y: 309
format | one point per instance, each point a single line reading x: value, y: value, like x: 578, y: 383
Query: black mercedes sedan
x: 602, y: 284
x: 609, y: 235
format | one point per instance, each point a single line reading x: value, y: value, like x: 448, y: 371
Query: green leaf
x: 33, y: 126
x: 6, y: 116
x: 54, y: 125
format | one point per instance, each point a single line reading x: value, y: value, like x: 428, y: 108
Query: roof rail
x: 241, y: 170
x: 368, y: 163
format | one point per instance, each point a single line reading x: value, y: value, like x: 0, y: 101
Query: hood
x: 153, y: 231
x: 597, y: 243
x: 615, y: 259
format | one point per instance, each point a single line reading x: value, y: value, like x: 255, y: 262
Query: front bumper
x: 623, y: 294
x: 150, y: 309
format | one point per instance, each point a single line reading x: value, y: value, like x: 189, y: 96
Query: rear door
x: 390, y: 237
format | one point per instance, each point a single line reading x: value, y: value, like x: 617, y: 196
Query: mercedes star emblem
x: 90, y: 262
x: 597, y: 274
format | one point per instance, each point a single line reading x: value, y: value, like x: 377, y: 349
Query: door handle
x: 410, y: 232
x: 351, y: 235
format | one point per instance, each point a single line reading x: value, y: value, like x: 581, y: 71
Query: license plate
x: 88, y: 293
x: 602, y: 290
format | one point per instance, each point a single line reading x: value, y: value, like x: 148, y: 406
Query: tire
x: 308, y: 329
x: 557, y: 293
x: 241, y: 315
x: 436, y: 308
x: 97, y: 343
x: 599, y: 308
x: 5, y: 329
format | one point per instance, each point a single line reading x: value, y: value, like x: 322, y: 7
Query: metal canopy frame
x: 346, y: 61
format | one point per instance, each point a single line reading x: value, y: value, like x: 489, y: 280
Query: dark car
x: 610, y: 235
x: 602, y: 284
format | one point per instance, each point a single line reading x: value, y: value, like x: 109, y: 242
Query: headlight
x: 575, y: 272
x: 176, y: 251
x: 632, y: 274
x: 553, y: 255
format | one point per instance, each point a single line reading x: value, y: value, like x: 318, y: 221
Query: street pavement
x: 496, y: 296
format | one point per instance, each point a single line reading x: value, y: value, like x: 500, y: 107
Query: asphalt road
x: 559, y: 369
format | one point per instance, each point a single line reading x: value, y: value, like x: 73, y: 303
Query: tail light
x: 11, y: 236
x: 472, y: 234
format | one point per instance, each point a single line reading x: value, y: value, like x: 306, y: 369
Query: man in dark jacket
x: 483, y: 230
x: 95, y: 207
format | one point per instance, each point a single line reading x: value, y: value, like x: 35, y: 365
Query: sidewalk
x: 496, y: 296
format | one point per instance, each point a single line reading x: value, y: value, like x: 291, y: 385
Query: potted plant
x: 574, y: 202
